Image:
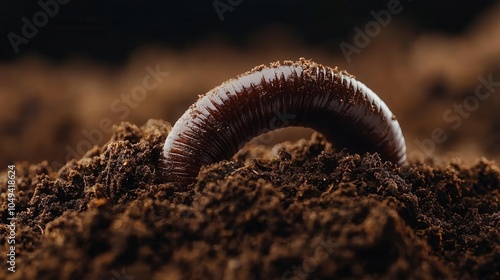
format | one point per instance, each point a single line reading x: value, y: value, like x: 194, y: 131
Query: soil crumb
x: 294, y: 211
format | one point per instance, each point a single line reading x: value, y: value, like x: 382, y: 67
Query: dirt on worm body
x: 295, y: 211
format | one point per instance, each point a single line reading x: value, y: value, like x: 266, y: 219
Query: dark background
x: 91, y: 53
x: 110, y: 30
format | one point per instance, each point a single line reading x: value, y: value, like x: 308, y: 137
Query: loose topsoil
x: 294, y: 211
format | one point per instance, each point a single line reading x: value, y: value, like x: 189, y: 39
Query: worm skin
x: 302, y: 93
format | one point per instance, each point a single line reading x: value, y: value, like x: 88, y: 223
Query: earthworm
x: 302, y: 93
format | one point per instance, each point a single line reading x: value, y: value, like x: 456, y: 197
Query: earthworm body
x: 302, y: 93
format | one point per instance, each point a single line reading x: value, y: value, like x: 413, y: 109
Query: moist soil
x: 297, y: 210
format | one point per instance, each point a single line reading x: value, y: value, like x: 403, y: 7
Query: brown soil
x: 297, y: 210
x: 304, y: 212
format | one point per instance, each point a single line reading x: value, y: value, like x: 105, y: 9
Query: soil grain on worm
x: 297, y: 211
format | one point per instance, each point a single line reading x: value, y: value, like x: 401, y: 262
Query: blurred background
x: 71, y: 69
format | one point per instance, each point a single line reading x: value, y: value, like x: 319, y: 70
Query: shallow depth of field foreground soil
x: 297, y: 211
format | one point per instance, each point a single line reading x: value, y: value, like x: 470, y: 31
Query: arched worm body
x: 301, y: 93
